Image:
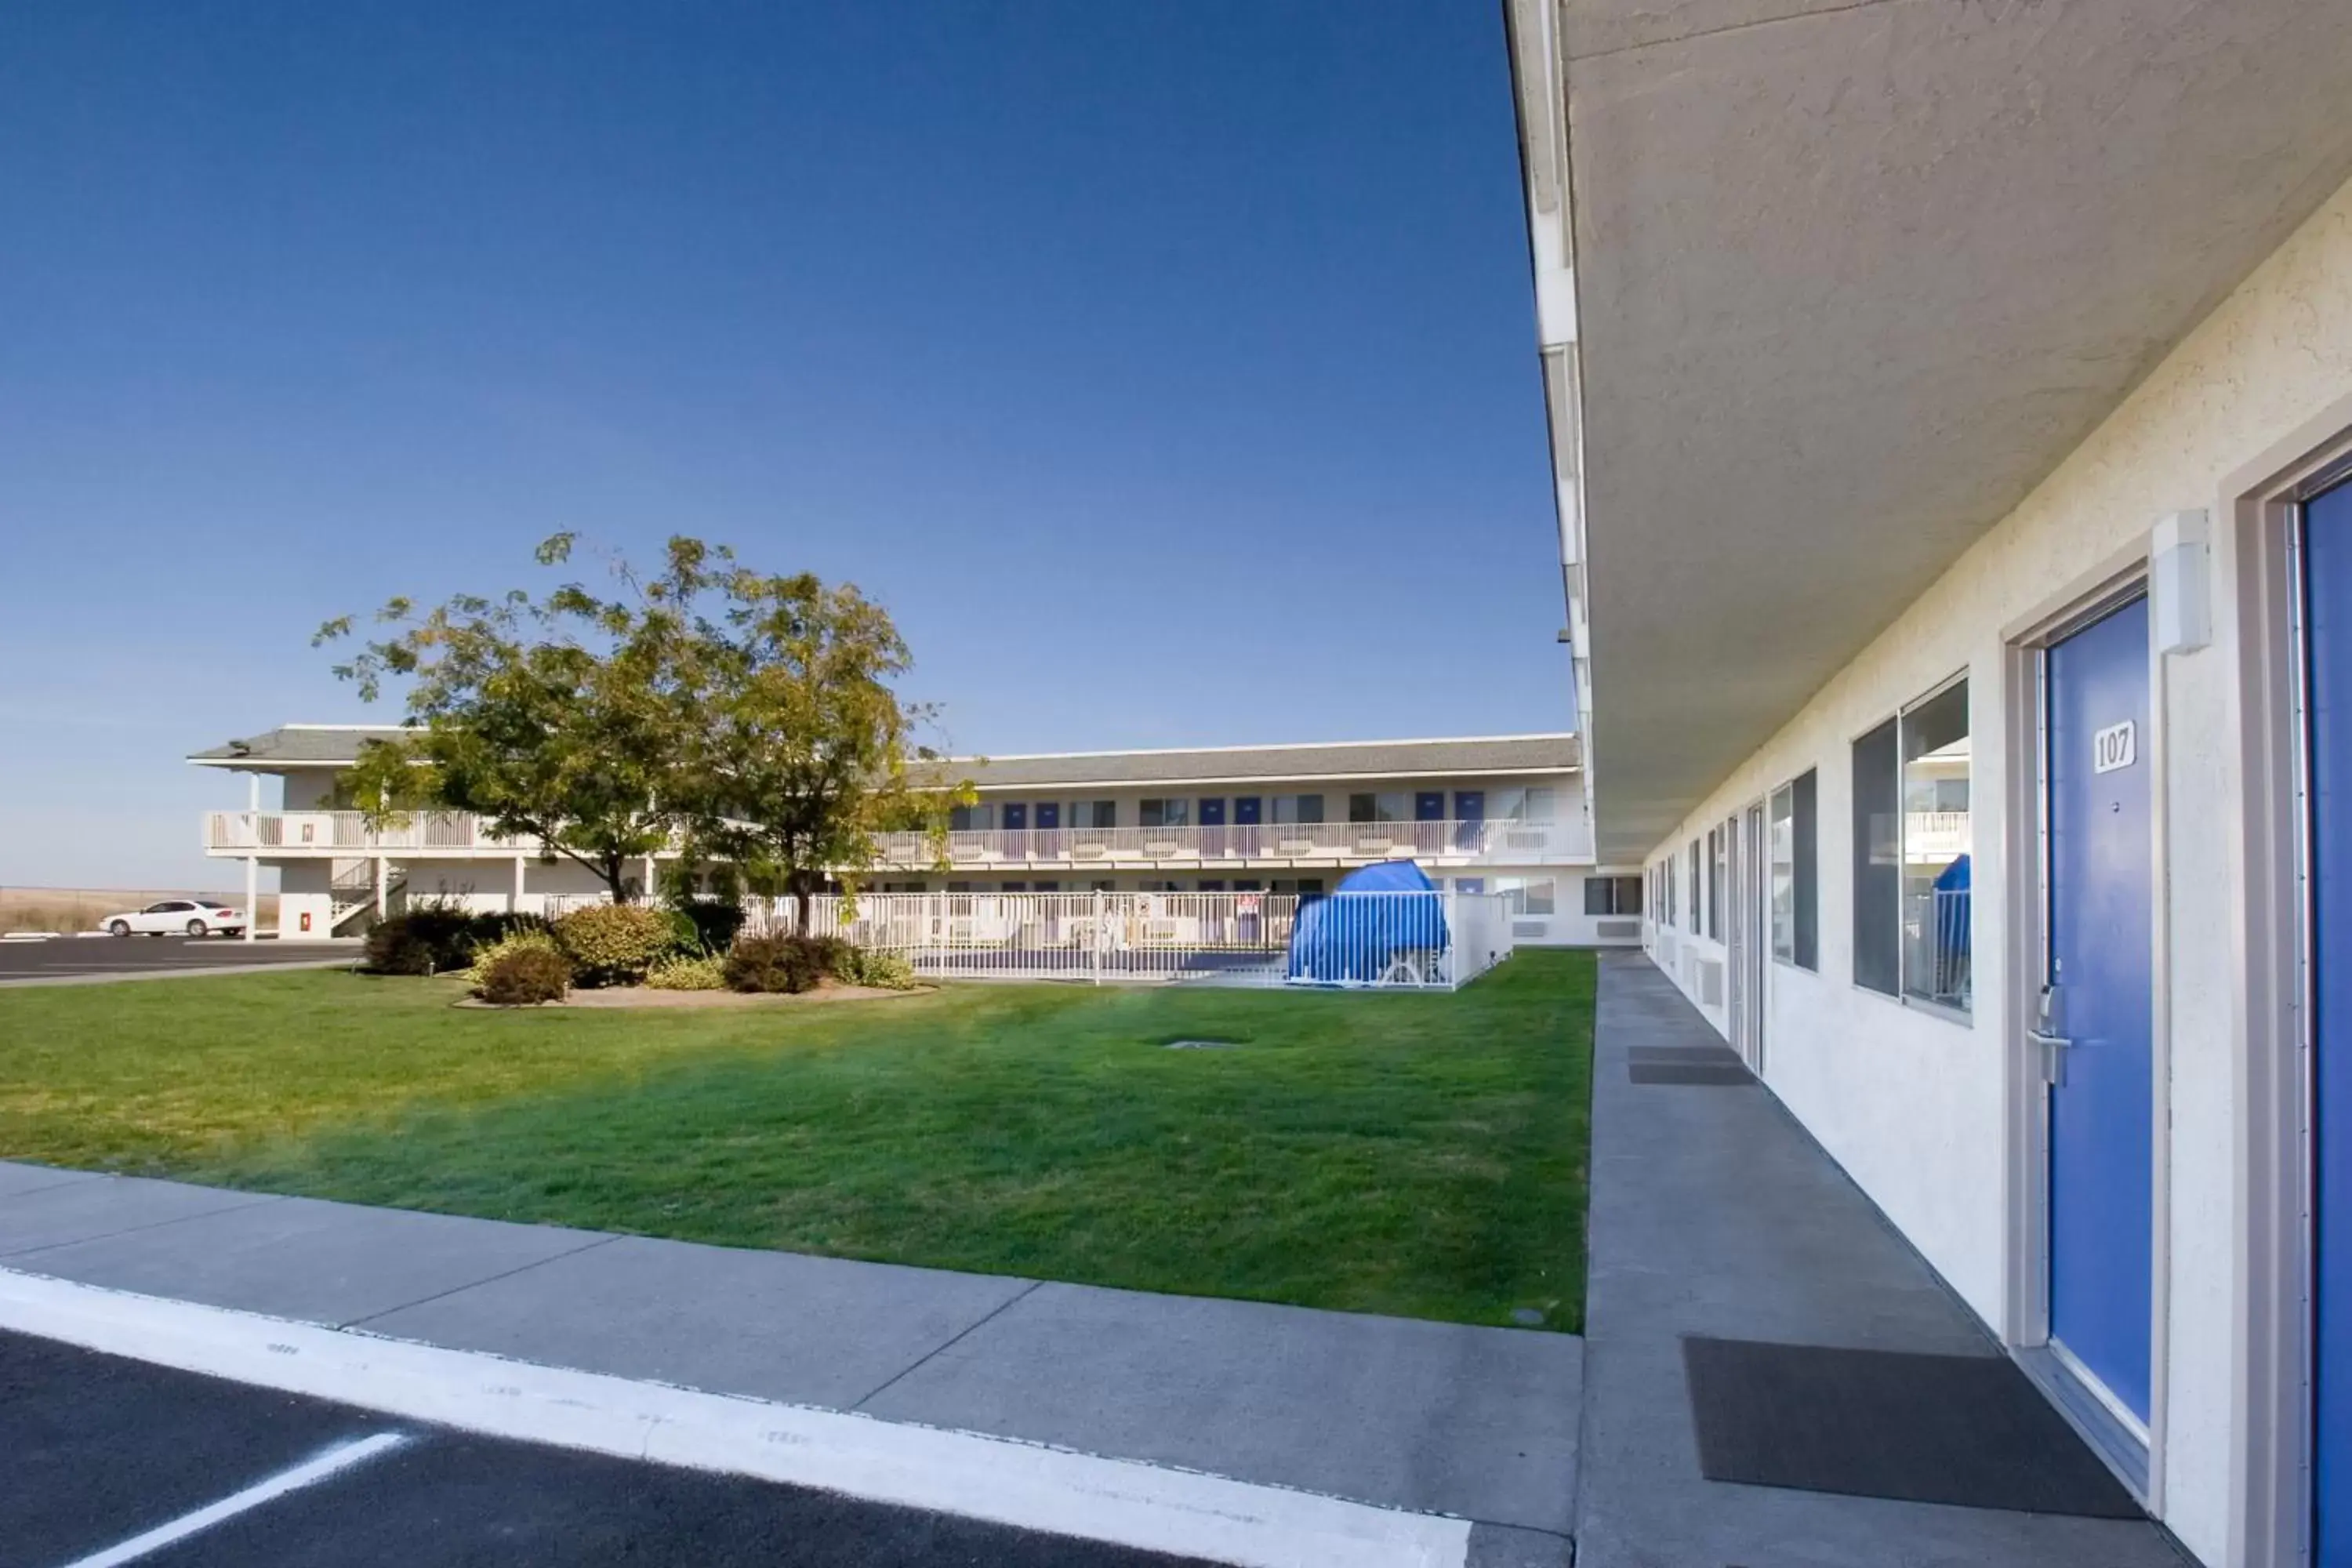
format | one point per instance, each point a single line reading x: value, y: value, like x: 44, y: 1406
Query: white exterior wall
x: 1911, y: 1103
x: 302, y: 890
x: 486, y: 883
x: 307, y: 789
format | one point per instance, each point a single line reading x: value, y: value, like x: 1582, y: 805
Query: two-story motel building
x: 1952, y: 412
x: 1500, y: 814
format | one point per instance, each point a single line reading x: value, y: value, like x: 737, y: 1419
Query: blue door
x: 1213, y: 825
x: 2099, y: 999
x: 2327, y: 621
x: 1248, y: 811
x: 1049, y: 815
x: 1429, y: 806
x: 1470, y: 814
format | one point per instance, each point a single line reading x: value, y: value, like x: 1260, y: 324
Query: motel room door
x: 2327, y: 707
x: 2094, y: 1018
x: 1736, y: 937
x: 1469, y: 817
x: 1755, y: 925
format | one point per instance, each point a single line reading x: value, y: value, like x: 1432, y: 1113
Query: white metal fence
x: 1938, y: 963
x: 1437, y: 941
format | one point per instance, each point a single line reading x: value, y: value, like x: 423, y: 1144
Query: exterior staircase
x: 352, y: 887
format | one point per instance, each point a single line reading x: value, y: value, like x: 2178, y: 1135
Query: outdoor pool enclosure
x: 1416, y: 940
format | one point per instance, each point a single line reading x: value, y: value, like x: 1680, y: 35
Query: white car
x: 190, y: 917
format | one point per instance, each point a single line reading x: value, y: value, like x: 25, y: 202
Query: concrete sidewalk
x: 1715, y: 1214
x: 1476, y: 1422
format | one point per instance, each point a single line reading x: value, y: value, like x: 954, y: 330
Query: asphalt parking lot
x: 100, y: 956
x: 103, y: 1451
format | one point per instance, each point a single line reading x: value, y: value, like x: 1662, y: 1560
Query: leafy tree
x: 562, y: 719
x: 810, y: 754
x: 749, y: 718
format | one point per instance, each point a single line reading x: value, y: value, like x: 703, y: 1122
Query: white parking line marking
x: 310, y: 1472
x: 1030, y: 1486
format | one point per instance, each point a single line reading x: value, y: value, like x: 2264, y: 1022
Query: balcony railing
x: 458, y: 833
x: 327, y: 831
x: 1500, y: 841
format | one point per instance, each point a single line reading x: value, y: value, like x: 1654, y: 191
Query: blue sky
x: 1168, y: 370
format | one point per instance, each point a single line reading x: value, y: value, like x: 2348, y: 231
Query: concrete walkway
x: 1476, y: 1422
x: 1715, y: 1214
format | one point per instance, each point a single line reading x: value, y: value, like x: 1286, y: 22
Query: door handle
x: 2051, y: 1013
x: 2054, y: 1055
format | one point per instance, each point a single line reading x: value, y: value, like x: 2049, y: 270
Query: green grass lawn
x: 1413, y: 1154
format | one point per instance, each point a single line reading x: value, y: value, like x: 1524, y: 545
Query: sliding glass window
x: 1697, y: 890
x: 1878, y: 860
x: 1795, y: 873
x: 1718, y: 851
x: 1911, y: 844
x: 1936, y: 871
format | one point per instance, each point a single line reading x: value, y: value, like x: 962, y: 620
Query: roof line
x: 1266, y: 746
x: 1540, y: 769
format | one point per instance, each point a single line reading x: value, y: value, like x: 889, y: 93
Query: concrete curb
x: 183, y: 972
x: 1027, y: 1485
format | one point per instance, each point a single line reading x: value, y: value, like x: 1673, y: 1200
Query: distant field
x: 80, y: 909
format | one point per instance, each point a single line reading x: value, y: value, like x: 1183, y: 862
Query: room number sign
x: 2116, y: 746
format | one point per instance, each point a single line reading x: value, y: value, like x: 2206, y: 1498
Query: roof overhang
x: 1824, y: 289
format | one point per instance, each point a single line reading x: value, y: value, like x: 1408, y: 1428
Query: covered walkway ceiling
x: 1851, y: 279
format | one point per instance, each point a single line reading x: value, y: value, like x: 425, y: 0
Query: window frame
x: 1718, y: 865
x: 1612, y: 891
x: 1803, y: 923
x: 1897, y: 722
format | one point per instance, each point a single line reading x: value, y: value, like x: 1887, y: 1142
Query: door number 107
x: 2116, y: 746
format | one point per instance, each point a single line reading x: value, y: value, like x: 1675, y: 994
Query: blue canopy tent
x: 1951, y: 978
x: 1378, y: 915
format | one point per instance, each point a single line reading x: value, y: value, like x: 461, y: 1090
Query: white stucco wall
x: 302, y: 890
x: 1911, y: 1103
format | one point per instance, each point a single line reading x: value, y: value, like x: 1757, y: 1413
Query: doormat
x: 1722, y: 1074
x: 1970, y: 1431
x: 1674, y: 1054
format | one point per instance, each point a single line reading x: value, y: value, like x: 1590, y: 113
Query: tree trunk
x: 802, y: 899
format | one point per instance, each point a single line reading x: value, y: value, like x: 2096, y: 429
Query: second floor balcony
x: 436, y: 835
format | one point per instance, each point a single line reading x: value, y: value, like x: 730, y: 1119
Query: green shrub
x: 880, y: 970
x: 523, y: 973
x: 434, y: 938
x: 783, y: 961
x: 539, y: 938
x: 689, y: 972
x: 613, y: 944
x: 392, y: 948
x: 707, y: 925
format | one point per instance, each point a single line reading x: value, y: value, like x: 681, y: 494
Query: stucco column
x: 378, y: 887
x: 252, y: 897
x: 514, y: 903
